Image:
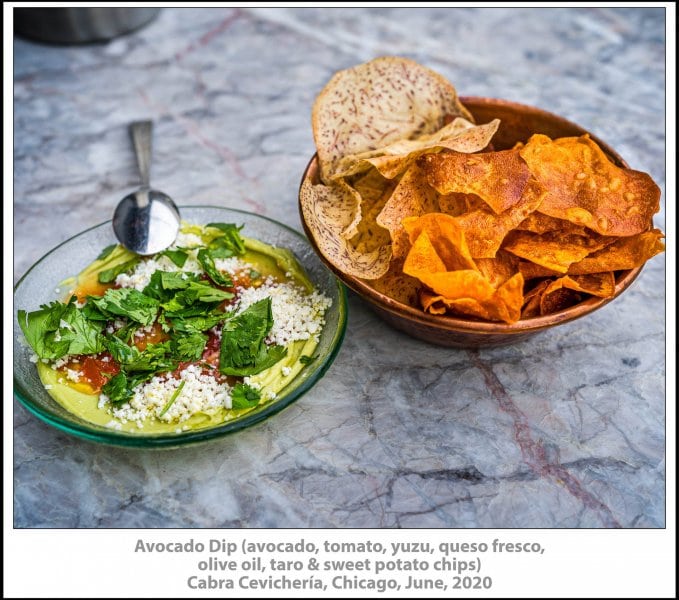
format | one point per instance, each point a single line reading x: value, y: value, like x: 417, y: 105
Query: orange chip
x: 625, y: 253
x: 503, y: 304
x: 485, y: 230
x: 498, y: 178
x: 446, y: 238
x: 530, y: 270
x: 586, y: 188
x: 531, y: 300
x: 558, y: 300
x: 553, y: 250
x: 499, y: 269
x: 538, y: 222
x: 411, y: 198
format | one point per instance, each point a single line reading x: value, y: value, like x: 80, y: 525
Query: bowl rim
x: 81, y: 430
x: 452, y: 324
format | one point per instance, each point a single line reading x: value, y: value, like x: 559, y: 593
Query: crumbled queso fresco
x: 297, y: 315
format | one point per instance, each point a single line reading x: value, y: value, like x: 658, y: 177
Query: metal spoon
x: 146, y: 221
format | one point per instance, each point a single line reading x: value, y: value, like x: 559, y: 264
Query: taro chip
x: 498, y: 178
x: 624, y: 253
x: 586, y: 188
x: 328, y: 212
x: 393, y: 160
x: 377, y: 103
x: 554, y: 250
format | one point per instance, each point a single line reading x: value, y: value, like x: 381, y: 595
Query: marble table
x: 563, y: 430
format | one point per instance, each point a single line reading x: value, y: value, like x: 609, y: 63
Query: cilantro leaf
x: 207, y: 262
x: 230, y: 242
x: 244, y: 396
x: 178, y: 257
x: 307, y: 360
x: 59, y: 329
x: 199, y: 323
x: 197, y: 299
x: 188, y: 346
x: 106, y: 251
x: 162, y: 284
x: 174, y: 396
x: 243, y: 349
x: 122, y: 352
x: 109, y: 275
x: 127, y: 302
x: 117, y: 389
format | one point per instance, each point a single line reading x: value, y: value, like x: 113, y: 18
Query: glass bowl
x: 38, y: 285
x: 517, y: 123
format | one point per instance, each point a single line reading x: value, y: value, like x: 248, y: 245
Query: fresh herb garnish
x: 254, y: 274
x: 178, y: 257
x: 230, y: 243
x: 243, y: 349
x: 188, y: 346
x: 307, y: 360
x: 244, y: 396
x: 127, y: 302
x: 172, y: 399
x: 207, y: 261
x: 58, y: 329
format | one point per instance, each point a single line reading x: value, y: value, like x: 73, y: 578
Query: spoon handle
x: 141, y: 140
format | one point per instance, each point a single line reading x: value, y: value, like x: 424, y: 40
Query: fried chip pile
x: 413, y: 199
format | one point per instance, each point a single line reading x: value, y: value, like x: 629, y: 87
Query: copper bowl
x: 517, y: 123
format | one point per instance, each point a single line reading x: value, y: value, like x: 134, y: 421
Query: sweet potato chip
x: 397, y: 285
x: 411, y: 198
x: 554, y: 250
x: 503, y: 304
x: 624, y: 253
x: 498, y: 178
x: 445, y: 237
x: 485, y: 230
x: 538, y: 222
x: 531, y: 300
x: 586, y: 188
x: 328, y: 212
x: 530, y: 270
x: 377, y: 103
x: 499, y: 269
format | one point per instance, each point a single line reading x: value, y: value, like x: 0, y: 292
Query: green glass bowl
x: 38, y: 285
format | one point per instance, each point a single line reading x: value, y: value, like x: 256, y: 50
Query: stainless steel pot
x: 79, y: 25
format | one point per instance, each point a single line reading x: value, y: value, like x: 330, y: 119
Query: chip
x: 485, y: 230
x: 586, y: 188
x: 393, y: 160
x: 328, y: 212
x: 377, y: 103
x: 498, y: 178
x: 414, y: 199
x: 554, y: 250
x: 625, y: 253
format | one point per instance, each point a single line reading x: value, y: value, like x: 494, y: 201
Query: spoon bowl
x: 146, y: 221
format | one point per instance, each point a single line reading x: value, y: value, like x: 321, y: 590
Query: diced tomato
x: 97, y: 371
x: 155, y: 336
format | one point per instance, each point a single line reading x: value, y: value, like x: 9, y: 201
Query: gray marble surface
x: 563, y: 430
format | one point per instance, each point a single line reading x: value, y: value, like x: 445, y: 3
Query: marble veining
x: 565, y: 429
